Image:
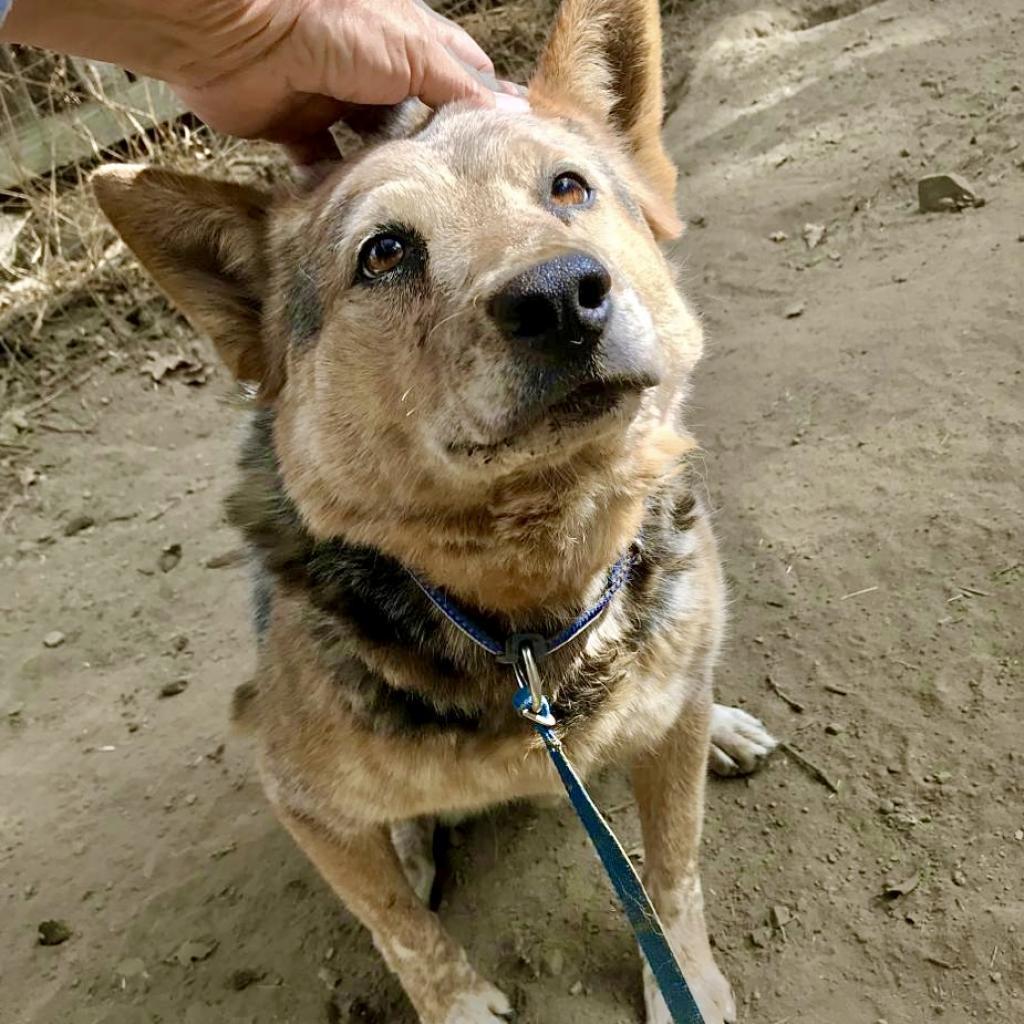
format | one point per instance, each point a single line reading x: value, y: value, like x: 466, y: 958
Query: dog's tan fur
x: 393, y: 429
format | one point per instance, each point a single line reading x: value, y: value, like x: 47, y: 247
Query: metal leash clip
x: 523, y: 651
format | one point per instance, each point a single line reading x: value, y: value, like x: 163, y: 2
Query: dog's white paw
x: 739, y: 742
x: 710, y: 989
x: 483, y: 1004
x: 413, y: 841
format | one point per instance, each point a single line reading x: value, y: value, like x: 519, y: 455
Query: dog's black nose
x: 558, y: 307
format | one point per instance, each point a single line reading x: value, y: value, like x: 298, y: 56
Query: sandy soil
x: 865, y: 459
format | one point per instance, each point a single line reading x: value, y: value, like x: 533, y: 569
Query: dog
x: 469, y: 359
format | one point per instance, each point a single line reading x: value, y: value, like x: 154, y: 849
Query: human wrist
x: 147, y: 36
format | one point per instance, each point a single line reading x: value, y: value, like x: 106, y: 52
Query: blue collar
x: 508, y: 653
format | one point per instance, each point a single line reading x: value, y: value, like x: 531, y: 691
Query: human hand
x: 299, y: 65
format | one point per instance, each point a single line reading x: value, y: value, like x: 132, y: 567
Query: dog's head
x: 470, y: 316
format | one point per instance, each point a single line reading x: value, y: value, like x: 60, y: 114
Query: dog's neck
x: 528, y: 550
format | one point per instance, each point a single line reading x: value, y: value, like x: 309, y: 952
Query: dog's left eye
x: 569, y: 190
x: 380, y: 255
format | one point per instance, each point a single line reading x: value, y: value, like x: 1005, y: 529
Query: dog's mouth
x: 590, y: 400
x: 565, y: 413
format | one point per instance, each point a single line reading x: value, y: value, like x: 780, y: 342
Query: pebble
x: 169, y: 557
x: 78, y: 524
x: 778, y: 236
x: 194, y: 950
x: 834, y: 728
x: 554, y: 962
x: 173, y: 688
x: 797, y: 309
x: 938, y: 192
x: 54, y: 638
x: 576, y: 989
x: 133, y: 967
x: 244, y: 977
x: 813, y: 235
x: 53, y: 933
x: 959, y: 878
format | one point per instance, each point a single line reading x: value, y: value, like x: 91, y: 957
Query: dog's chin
x: 590, y: 412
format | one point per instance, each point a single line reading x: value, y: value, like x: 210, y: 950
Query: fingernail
x: 513, y: 88
x: 512, y: 104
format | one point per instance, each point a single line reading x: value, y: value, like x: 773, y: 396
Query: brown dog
x: 470, y: 358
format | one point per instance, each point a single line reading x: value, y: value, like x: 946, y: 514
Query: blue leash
x: 524, y: 652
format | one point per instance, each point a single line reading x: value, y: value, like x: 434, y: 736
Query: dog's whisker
x: 448, y: 319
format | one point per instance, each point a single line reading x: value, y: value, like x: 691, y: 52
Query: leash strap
x: 522, y: 652
x: 643, y: 918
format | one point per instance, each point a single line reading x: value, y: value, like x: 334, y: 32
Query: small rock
x: 192, y: 951
x: 54, y: 638
x: 899, y: 278
x: 173, y: 688
x: 938, y: 192
x: 778, y: 236
x: 554, y: 963
x: 959, y: 878
x: 169, y: 557
x: 894, y: 890
x: 886, y: 806
x: 781, y: 916
x: 1019, y: 835
x: 133, y: 967
x: 236, y: 556
x: 698, y: 220
x: 243, y: 978
x: 797, y: 309
x: 576, y: 989
x: 760, y: 937
x: 53, y: 933
x: 834, y: 728
x: 77, y: 524
x: 813, y: 235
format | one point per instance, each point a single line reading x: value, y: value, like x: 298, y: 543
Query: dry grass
x: 69, y: 294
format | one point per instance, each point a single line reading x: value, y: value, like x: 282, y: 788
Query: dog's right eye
x: 381, y: 255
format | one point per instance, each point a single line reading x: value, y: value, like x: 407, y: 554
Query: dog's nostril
x: 593, y: 290
x: 534, y: 316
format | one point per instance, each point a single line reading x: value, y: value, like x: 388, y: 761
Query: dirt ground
x: 862, y: 414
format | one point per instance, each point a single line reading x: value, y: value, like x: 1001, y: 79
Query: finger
x: 443, y: 78
x: 466, y: 48
x: 512, y: 88
x: 459, y: 41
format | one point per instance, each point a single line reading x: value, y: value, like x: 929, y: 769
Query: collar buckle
x: 525, y: 652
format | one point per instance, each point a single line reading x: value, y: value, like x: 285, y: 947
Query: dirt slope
x: 865, y: 459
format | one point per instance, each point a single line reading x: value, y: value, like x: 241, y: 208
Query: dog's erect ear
x: 205, y: 243
x: 603, y: 63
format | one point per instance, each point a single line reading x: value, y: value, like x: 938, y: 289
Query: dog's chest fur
x: 352, y: 649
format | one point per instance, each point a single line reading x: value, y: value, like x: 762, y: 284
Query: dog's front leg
x: 364, y: 870
x: 669, y: 783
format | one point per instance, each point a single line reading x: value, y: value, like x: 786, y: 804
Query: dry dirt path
x: 864, y: 457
